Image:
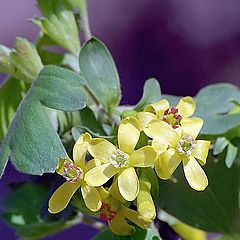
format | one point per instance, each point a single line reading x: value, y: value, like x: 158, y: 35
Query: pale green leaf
x: 151, y: 94
x: 220, y: 145
x: 231, y: 155
x: 98, y: 69
x: 31, y: 141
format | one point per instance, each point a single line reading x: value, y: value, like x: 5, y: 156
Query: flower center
x: 71, y: 172
x: 186, y: 145
x: 119, y: 159
x: 172, y: 117
x: 107, y: 213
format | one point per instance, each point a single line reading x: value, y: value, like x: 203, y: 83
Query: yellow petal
x: 159, y: 107
x: 159, y: 147
x: 186, y: 107
x: 128, y: 184
x: 80, y: 149
x: 145, y: 205
x: 163, y: 133
x: 120, y: 226
x: 145, y: 118
x: 91, y: 197
x: 143, y: 157
x: 201, y: 151
x: 114, y: 191
x: 128, y: 134
x: 93, y: 163
x: 99, y: 175
x: 167, y: 163
x: 191, y: 126
x: 101, y: 149
x: 135, y: 217
x: 62, y: 196
x: 194, y: 174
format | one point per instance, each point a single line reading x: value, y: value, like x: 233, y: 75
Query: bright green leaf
x: 98, y: 69
x: 32, y: 143
x: 151, y: 94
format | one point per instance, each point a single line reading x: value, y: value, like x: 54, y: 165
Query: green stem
x: 93, y: 223
x: 89, y: 92
x: 85, y: 21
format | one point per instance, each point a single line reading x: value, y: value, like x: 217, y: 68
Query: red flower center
x: 107, y: 213
x: 71, y: 172
x: 172, y: 117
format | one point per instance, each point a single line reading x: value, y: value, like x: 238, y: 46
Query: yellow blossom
x: 121, y: 160
x: 163, y: 112
x: 182, y: 147
x: 115, y: 213
x: 74, y: 172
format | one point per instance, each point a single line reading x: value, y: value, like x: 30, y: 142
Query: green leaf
x: 40, y: 230
x: 173, y: 100
x: 220, y: 145
x: 98, y: 69
x: 31, y: 141
x: 141, y: 234
x: 216, y: 209
x: 214, y: 102
x: 24, y: 215
x: 151, y: 94
x: 16, y: 207
x: 59, y: 24
x: 231, y: 155
x: 11, y: 93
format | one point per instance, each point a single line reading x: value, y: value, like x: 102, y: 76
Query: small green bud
x: 59, y: 24
x: 23, y: 62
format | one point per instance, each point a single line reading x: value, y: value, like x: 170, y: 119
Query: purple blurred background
x: 184, y: 44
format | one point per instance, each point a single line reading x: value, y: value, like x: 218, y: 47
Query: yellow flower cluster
x: 172, y: 140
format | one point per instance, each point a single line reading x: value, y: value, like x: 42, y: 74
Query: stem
x: 93, y: 223
x: 85, y: 21
x: 81, y: 218
x: 89, y: 92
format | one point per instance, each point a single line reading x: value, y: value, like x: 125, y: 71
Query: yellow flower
x: 120, y: 161
x: 74, y: 172
x: 182, y: 147
x: 115, y: 213
x: 171, y: 115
